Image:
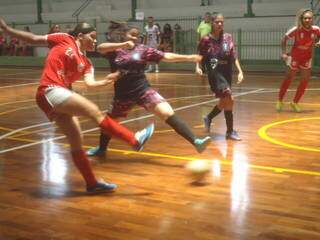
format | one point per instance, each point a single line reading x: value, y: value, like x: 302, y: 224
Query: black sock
x: 215, y: 111
x: 181, y: 128
x: 104, y: 141
x: 229, y: 120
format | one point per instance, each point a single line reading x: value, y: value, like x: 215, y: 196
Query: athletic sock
x: 283, y: 88
x: 114, y: 129
x: 215, y: 111
x: 181, y: 128
x: 104, y: 141
x: 229, y: 120
x: 82, y: 163
x: 300, y: 91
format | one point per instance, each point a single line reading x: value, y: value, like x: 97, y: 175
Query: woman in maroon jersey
x: 66, y: 63
x: 219, y: 55
x: 132, y: 88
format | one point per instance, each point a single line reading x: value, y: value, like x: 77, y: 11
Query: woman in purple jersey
x: 217, y: 49
x: 132, y: 88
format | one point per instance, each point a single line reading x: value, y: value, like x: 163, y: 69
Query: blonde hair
x: 300, y: 15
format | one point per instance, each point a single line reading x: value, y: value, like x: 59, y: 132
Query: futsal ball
x: 198, y: 169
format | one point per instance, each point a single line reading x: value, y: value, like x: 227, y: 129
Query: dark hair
x: 82, y: 28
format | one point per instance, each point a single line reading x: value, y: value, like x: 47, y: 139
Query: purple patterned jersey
x: 132, y: 62
x: 222, y: 49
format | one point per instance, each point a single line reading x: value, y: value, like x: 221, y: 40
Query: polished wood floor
x: 266, y: 186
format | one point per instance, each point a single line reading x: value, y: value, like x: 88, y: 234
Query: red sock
x: 300, y: 90
x: 114, y: 129
x: 283, y: 89
x: 81, y: 161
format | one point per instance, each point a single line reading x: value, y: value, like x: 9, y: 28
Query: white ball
x: 198, y: 169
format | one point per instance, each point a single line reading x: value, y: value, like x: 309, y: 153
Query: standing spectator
x: 204, y: 29
x: 304, y: 35
x: 152, y: 33
x: 166, y: 39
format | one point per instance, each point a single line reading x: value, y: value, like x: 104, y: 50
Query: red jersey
x: 65, y: 62
x: 303, y: 40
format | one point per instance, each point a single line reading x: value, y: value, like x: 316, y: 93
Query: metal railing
x: 80, y: 9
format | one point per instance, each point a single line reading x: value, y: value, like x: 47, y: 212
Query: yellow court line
x: 223, y: 162
x: 262, y: 132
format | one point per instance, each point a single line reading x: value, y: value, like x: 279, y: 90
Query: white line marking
x: 94, y: 129
x: 19, y: 85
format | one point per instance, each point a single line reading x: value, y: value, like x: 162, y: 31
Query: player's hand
x: 199, y: 71
x: 240, y: 77
x: 129, y: 44
x: 317, y: 44
x: 112, y: 77
x: 284, y: 57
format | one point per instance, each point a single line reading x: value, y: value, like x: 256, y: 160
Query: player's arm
x: 104, y: 48
x: 90, y: 80
x: 22, y: 35
x: 283, y: 44
x: 173, y: 57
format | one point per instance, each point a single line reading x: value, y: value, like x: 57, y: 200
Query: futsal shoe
x: 101, y: 186
x: 202, y: 143
x: 295, y: 107
x: 233, y: 136
x: 143, y: 136
x: 96, y: 152
x: 207, y: 124
x: 279, y: 106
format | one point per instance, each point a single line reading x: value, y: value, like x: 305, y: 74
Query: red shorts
x: 299, y: 60
x: 44, y: 104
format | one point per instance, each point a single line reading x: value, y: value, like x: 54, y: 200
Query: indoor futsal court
x: 186, y: 183
x: 263, y: 187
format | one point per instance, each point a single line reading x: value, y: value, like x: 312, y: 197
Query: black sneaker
x: 101, y: 186
x: 233, y: 136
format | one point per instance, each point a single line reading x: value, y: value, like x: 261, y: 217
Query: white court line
x: 94, y: 129
x: 16, y: 73
x: 19, y: 85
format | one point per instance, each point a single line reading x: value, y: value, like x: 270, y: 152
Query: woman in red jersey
x: 66, y: 63
x: 304, y: 35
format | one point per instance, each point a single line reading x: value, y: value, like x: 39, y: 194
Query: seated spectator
x: 12, y: 47
x: 24, y: 48
x: 166, y: 39
x: 55, y: 28
x: 3, y: 44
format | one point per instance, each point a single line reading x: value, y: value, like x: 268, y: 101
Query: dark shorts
x: 220, y: 82
x: 122, y: 107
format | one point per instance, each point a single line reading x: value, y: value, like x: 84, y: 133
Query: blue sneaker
x: 233, y: 136
x: 207, y: 124
x: 96, y: 152
x: 143, y: 136
x: 101, y: 186
x: 202, y: 143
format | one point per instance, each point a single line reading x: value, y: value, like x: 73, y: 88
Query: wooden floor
x: 264, y: 187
